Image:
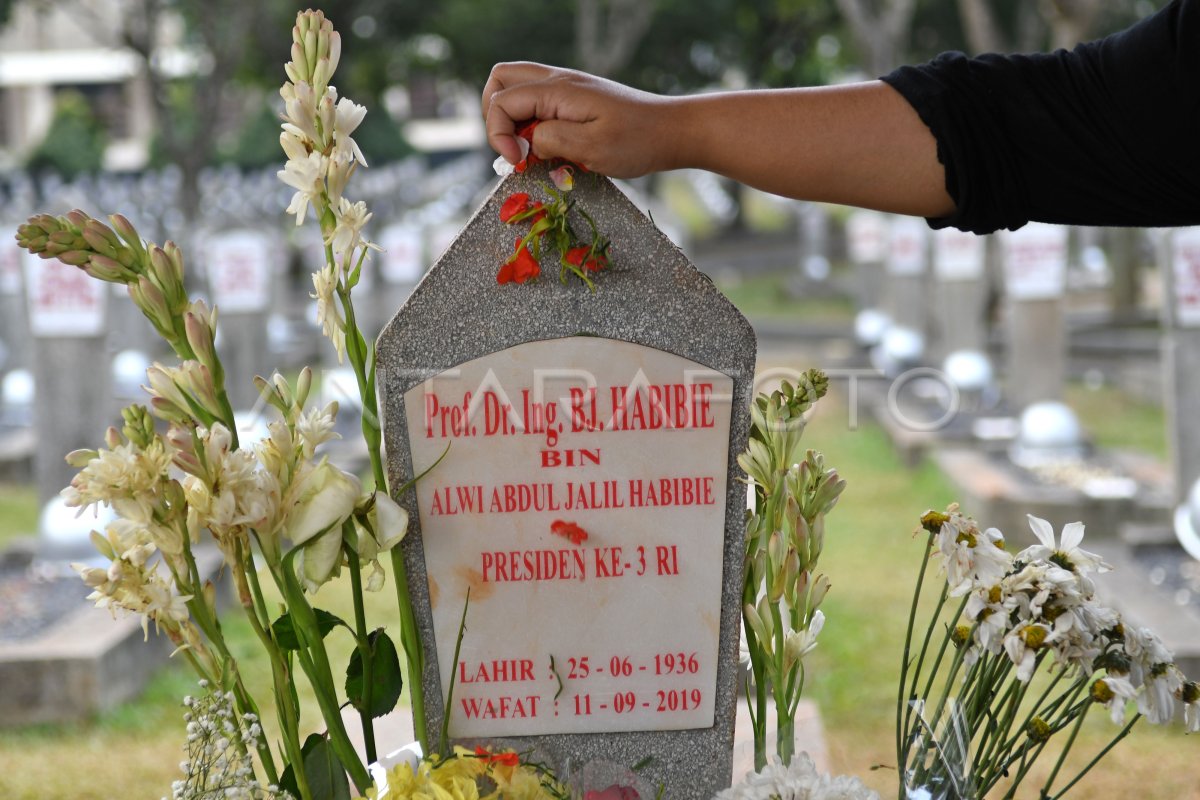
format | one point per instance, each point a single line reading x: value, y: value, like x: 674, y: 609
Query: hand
x: 607, y: 127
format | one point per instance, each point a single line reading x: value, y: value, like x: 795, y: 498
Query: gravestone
x: 14, y: 341
x: 907, y: 274
x: 866, y: 244
x: 1035, y: 269
x: 1181, y: 350
x: 958, y: 264
x: 66, y: 312
x: 239, y: 265
x: 588, y: 500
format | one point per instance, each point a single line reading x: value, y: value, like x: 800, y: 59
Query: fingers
x: 509, y: 99
x: 513, y: 73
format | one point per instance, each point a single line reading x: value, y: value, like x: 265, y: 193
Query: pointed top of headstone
x: 649, y: 295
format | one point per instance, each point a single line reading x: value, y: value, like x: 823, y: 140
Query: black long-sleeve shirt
x: 1106, y: 134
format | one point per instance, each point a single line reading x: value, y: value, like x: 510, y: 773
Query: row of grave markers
x: 61, y: 324
x: 1034, y: 267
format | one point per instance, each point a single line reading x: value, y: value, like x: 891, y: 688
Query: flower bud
x: 80, y: 458
x: 200, y: 338
x: 326, y: 496
x: 74, y: 258
x: 303, y: 386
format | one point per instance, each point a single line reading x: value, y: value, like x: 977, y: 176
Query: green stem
x: 1124, y: 732
x: 364, y: 649
x: 903, y: 709
x: 1062, y: 756
x: 362, y: 359
x: 315, y: 662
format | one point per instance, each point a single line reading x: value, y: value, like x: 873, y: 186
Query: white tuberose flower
x: 329, y: 317
x: 307, y: 177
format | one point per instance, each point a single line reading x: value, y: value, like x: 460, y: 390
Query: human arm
x: 857, y: 144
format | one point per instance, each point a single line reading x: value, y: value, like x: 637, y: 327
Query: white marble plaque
x: 1035, y: 262
x: 906, y: 252
x: 866, y: 237
x: 63, y: 300
x: 239, y: 271
x: 10, y: 268
x: 582, y: 502
x: 957, y: 255
x: 403, y: 258
x: 1185, y: 259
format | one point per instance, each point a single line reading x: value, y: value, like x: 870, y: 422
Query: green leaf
x: 325, y: 775
x: 386, y: 681
x: 284, y: 630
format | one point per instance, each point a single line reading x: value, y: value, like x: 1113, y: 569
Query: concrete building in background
x: 46, y: 49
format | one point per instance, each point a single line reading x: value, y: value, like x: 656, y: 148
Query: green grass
x: 767, y: 297
x: 1120, y: 422
x: 18, y: 512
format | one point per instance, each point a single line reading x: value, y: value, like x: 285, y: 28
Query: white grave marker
x: 10, y: 268
x: 1185, y: 260
x: 239, y: 271
x: 957, y: 255
x: 906, y: 251
x: 403, y: 259
x: 1035, y: 262
x: 597, y: 469
x: 866, y: 237
x: 62, y: 300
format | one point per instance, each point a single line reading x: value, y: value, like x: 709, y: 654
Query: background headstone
x: 66, y: 310
x: 1035, y: 266
x: 958, y: 264
x: 907, y: 260
x: 866, y: 244
x: 646, y: 650
x: 1182, y: 356
x: 239, y: 265
x: 13, y: 325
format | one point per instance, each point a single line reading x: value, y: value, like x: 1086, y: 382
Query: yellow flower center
x: 1102, y: 692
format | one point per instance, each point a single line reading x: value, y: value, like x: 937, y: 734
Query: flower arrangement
x: 784, y: 536
x: 581, y: 257
x: 1024, y: 653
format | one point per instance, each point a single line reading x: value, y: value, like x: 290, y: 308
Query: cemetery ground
x: 870, y: 555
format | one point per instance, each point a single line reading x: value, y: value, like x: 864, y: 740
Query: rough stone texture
x: 651, y: 296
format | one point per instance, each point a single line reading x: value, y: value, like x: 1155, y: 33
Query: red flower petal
x: 515, y: 204
x: 526, y: 132
x: 569, y: 530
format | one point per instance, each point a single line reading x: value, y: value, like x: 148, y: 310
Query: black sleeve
x: 1108, y: 134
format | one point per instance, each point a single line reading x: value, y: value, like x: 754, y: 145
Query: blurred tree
x: 191, y: 105
x: 607, y: 34
x: 75, y: 141
x: 880, y: 29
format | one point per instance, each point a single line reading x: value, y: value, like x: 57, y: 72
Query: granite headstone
x: 1035, y: 267
x: 588, y: 499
